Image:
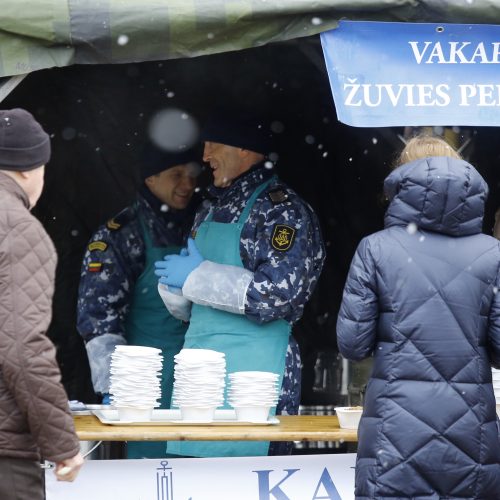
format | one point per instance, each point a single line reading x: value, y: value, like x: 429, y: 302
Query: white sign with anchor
x: 297, y: 477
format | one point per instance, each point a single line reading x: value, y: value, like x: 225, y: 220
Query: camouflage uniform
x: 114, y: 260
x: 282, y: 280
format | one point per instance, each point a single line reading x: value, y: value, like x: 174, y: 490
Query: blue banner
x: 397, y: 74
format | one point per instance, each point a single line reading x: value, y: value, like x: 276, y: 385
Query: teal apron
x: 247, y: 345
x: 150, y: 324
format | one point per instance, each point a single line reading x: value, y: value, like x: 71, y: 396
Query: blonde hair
x: 424, y: 146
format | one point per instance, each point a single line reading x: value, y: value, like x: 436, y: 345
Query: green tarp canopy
x: 39, y: 34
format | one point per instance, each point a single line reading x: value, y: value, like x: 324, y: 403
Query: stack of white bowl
x: 252, y: 394
x: 135, y: 381
x: 199, y: 381
x: 496, y: 387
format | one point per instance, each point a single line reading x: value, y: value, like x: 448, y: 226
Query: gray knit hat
x: 24, y: 145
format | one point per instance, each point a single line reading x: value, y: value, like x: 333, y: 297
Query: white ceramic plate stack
x: 135, y: 381
x: 496, y: 387
x: 199, y: 381
x: 252, y: 394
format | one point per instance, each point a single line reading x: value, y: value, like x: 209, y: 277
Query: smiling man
x: 251, y: 265
x: 118, y: 301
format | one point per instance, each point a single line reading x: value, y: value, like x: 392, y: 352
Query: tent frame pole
x: 7, y: 85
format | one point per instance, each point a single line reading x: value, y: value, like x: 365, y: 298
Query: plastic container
x: 197, y: 414
x: 252, y: 413
x: 131, y: 414
x: 349, y: 416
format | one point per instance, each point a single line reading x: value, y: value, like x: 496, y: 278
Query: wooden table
x: 290, y: 428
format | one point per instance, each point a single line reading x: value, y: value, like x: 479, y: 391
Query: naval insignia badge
x: 283, y: 237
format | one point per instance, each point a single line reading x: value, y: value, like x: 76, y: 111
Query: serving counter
x: 290, y: 428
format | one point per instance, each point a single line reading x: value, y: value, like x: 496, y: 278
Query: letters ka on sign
x: 397, y: 74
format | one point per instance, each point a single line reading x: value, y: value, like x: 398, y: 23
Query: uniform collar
x: 146, y: 197
x: 246, y: 181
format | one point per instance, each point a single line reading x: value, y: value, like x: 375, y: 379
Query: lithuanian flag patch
x: 94, y: 267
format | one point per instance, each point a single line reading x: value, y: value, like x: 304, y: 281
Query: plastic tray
x: 86, y: 409
x: 173, y: 417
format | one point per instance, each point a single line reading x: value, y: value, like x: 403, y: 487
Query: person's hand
x: 68, y: 469
x: 174, y: 269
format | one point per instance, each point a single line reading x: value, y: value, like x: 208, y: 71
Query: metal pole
x: 8, y: 84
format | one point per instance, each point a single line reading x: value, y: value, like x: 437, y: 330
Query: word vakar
x: 456, y: 53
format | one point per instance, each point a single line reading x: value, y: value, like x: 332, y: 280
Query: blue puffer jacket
x: 421, y: 298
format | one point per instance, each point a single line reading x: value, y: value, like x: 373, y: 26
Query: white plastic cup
x: 198, y: 414
x: 252, y: 413
x: 131, y: 414
x: 349, y: 416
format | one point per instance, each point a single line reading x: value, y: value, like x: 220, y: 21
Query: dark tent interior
x: 98, y: 118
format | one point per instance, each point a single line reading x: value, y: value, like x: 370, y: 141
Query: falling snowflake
x: 122, y: 40
x: 411, y: 228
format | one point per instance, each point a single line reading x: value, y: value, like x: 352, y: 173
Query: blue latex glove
x: 174, y: 289
x: 173, y: 270
x: 106, y: 400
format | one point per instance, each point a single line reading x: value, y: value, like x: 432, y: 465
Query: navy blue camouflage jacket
x: 284, y: 279
x: 114, y: 260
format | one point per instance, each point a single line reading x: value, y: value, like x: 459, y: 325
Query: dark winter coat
x: 34, y: 412
x: 421, y: 298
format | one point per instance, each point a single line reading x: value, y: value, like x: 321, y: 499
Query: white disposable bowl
x: 349, y: 416
x: 194, y: 355
x: 137, y: 350
x: 252, y: 413
x: 131, y: 414
x: 196, y: 413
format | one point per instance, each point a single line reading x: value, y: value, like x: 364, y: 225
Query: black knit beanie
x: 239, y: 130
x: 24, y: 145
x: 154, y: 160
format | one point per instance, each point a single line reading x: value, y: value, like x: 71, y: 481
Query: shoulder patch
x: 97, y: 245
x: 277, y: 196
x: 121, y: 219
x: 112, y: 225
x: 283, y: 237
x: 94, y: 267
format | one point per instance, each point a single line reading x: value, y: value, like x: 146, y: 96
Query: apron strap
x: 249, y: 204
x: 145, y: 231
